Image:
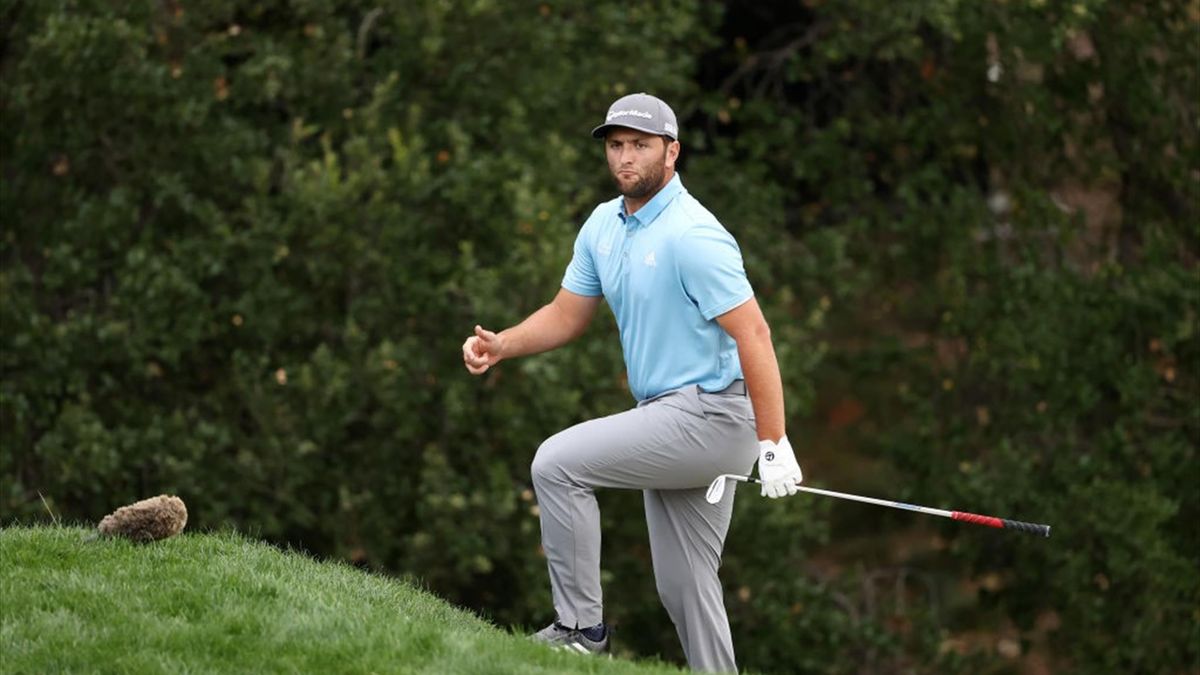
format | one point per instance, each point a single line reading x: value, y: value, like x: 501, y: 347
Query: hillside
x: 224, y: 603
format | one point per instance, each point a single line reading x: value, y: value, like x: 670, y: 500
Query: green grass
x: 202, y: 603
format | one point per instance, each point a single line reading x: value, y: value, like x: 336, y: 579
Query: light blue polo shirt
x: 666, y: 271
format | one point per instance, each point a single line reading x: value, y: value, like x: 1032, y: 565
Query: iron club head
x: 716, y: 490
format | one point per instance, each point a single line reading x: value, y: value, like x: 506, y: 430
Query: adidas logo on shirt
x: 650, y: 260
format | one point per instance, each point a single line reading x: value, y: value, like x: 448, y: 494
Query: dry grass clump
x: 148, y: 520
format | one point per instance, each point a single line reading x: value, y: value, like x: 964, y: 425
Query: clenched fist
x: 482, y: 350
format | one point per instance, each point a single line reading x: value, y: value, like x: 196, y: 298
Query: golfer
x: 700, y: 364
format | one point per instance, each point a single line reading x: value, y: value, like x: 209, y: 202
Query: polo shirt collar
x: 652, y: 208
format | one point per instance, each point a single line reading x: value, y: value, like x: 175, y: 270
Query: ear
x: 672, y: 153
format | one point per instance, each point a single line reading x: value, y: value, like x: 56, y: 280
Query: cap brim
x: 602, y: 130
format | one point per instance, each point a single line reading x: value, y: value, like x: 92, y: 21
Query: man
x: 700, y: 364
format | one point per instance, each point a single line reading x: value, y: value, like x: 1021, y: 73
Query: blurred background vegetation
x: 243, y: 241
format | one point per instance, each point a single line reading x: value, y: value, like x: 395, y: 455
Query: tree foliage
x: 243, y: 242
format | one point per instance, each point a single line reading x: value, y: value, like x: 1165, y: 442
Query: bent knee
x: 547, y: 462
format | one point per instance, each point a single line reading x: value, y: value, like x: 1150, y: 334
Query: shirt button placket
x: 626, y: 245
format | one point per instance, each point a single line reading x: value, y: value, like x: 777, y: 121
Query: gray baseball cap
x: 642, y: 112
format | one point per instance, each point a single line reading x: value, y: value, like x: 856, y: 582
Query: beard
x: 644, y: 185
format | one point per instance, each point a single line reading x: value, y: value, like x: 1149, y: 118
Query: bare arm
x: 561, y: 320
x: 747, y: 326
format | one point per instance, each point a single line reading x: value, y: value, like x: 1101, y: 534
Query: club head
x: 716, y: 490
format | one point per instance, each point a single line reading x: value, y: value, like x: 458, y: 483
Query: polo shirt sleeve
x: 711, y: 270
x: 581, y: 276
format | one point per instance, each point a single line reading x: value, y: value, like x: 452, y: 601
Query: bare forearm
x: 554, y: 325
x: 764, y: 383
x: 548, y: 328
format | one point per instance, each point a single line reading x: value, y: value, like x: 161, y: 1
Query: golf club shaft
x: 989, y: 521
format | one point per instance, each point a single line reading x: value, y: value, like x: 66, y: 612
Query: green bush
x: 997, y: 203
x: 244, y: 241
x: 247, y: 240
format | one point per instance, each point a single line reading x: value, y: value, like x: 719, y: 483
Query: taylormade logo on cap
x: 642, y: 112
x: 619, y: 113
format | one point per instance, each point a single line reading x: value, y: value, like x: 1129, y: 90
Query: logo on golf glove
x: 777, y: 468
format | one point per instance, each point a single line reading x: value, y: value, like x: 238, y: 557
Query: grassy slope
x: 222, y: 603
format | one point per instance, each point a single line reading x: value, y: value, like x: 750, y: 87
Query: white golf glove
x: 777, y: 468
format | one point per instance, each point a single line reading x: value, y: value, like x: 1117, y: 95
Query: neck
x: 633, y: 204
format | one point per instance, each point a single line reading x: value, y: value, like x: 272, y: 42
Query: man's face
x: 638, y: 161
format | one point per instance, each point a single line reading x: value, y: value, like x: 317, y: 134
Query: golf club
x: 717, y: 489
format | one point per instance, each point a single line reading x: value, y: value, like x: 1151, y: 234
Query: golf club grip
x: 1002, y: 523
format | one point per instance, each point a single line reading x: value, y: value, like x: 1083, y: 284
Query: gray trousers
x: 670, y: 447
